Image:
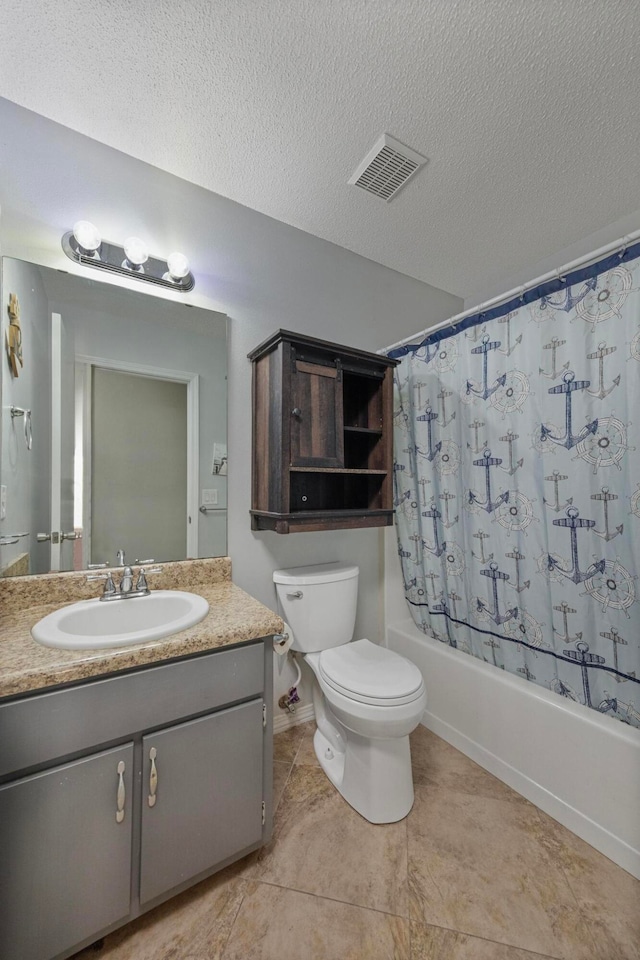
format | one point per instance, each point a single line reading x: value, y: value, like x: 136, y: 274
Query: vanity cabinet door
x: 65, y: 854
x: 201, y: 796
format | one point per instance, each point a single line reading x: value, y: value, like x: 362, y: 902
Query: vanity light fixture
x: 136, y: 254
x: 84, y: 245
x: 87, y: 237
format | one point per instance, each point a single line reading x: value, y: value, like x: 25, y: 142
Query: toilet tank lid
x: 316, y: 573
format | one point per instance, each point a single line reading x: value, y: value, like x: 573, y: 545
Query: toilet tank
x: 319, y: 604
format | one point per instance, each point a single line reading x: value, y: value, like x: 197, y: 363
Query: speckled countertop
x: 26, y: 666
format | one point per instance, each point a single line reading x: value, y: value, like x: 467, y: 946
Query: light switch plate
x: 209, y: 497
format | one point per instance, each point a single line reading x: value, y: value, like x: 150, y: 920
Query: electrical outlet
x: 209, y: 497
x: 3, y: 502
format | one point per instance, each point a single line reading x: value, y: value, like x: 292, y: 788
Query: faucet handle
x: 109, y: 586
x: 97, y: 566
x: 141, y: 585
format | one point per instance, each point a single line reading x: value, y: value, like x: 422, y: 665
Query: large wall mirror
x: 114, y: 424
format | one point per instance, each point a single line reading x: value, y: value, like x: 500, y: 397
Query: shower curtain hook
x: 523, y: 290
x: 625, y: 243
x: 560, y: 278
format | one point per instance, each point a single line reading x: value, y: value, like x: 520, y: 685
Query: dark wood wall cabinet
x: 322, y: 440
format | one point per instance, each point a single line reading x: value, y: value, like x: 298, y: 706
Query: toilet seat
x: 368, y: 673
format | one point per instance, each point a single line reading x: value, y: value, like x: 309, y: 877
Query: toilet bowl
x: 367, y: 699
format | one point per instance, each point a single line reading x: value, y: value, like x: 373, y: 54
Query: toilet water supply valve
x: 288, y: 700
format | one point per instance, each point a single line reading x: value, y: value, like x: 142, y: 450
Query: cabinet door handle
x: 296, y: 412
x: 121, y: 793
x: 153, y: 778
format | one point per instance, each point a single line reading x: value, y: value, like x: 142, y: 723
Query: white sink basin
x: 95, y: 624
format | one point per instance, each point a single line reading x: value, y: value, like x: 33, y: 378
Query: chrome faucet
x: 125, y: 590
x: 126, y: 583
x: 120, y: 558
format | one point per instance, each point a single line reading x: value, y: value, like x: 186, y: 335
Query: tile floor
x: 475, y: 872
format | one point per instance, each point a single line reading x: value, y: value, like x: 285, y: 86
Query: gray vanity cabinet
x: 118, y: 793
x: 197, y: 776
x: 65, y: 854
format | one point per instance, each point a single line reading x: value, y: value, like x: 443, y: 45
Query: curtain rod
x: 596, y: 255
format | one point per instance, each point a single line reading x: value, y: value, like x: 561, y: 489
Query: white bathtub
x: 579, y: 766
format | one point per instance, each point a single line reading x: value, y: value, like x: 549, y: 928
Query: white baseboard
x: 282, y: 719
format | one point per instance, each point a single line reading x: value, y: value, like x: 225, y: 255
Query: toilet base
x: 373, y: 776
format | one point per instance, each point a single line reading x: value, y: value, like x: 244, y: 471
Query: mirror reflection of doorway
x: 138, y: 461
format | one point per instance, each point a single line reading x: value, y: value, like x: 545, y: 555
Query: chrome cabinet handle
x: 121, y: 793
x: 153, y: 778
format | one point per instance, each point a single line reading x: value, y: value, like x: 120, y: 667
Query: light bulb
x: 178, y: 265
x: 136, y: 251
x: 87, y: 235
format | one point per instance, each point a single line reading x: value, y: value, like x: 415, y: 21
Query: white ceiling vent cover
x: 387, y: 167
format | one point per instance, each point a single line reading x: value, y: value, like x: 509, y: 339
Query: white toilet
x: 367, y: 699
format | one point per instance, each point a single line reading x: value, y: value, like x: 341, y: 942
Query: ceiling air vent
x: 387, y: 167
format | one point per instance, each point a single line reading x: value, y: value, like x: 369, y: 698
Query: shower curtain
x: 517, y: 485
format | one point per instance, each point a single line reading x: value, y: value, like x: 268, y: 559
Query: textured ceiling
x: 527, y: 110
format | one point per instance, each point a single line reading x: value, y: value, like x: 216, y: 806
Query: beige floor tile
x: 435, y: 761
x: 476, y: 866
x: 286, y: 743
x: 194, y: 924
x: 278, y: 924
x: 322, y: 846
x: 280, y: 775
x: 579, y: 938
x: 436, y: 943
x: 482, y: 874
x: 608, y: 896
x: 306, y: 753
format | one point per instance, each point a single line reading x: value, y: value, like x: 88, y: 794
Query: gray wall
x: 26, y: 472
x: 264, y: 274
x: 500, y: 283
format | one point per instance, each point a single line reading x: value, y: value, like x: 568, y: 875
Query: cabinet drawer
x: 53, y: 725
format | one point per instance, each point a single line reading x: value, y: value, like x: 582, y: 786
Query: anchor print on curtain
x: 517, y: 485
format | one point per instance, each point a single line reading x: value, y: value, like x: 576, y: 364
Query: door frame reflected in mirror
x: 84, y: 367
